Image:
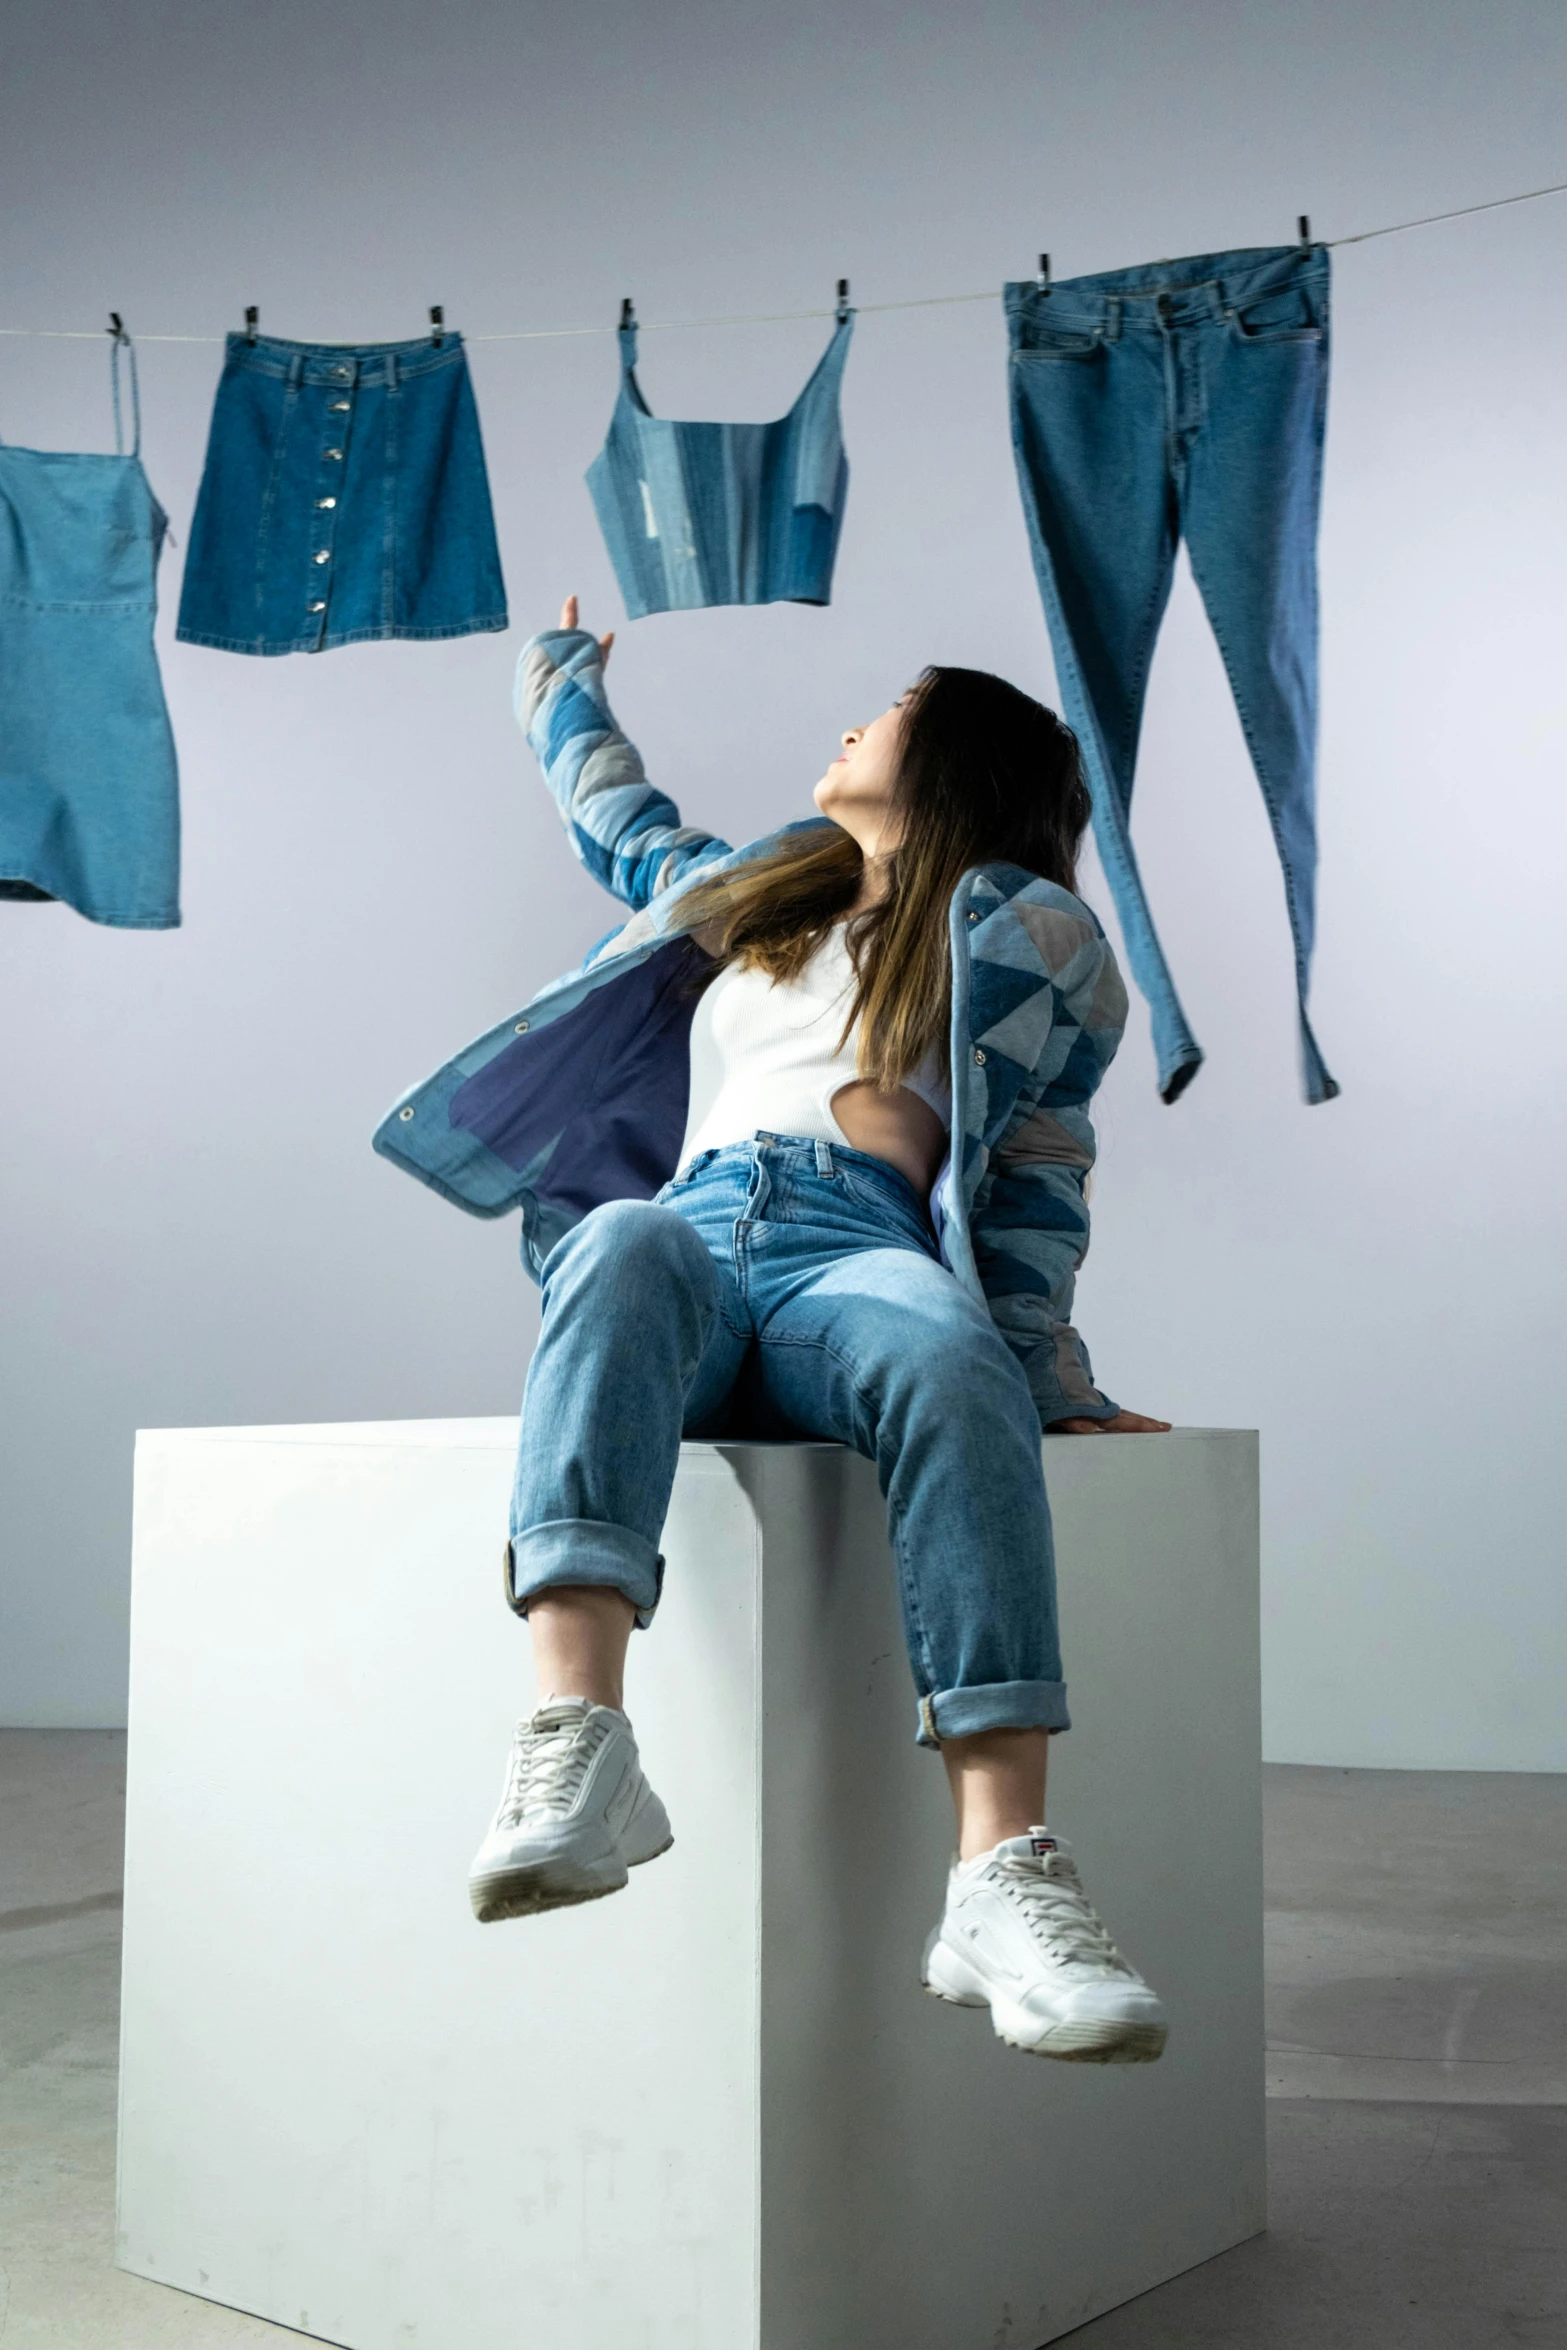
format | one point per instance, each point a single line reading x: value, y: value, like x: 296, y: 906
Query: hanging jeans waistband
x: 1204, y: 288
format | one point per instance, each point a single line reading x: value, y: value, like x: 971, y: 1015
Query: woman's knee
x: 639, y: 1250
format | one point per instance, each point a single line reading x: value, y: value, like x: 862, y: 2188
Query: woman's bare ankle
x: 997, y: 1779
x: 580, y: 1636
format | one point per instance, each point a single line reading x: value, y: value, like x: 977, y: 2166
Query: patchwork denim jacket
x: 581, y: 1097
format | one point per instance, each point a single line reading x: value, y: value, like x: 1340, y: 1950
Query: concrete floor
x: 1417, y: 1999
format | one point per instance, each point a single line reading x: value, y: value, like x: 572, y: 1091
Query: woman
x: 776, y: 1047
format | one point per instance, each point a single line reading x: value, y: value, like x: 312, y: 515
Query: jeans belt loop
x: 1112, y: 325
x: 296, y: 369
x: 391, y: 371
x: 824, y: 1165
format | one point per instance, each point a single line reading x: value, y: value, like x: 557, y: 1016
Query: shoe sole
x: 543, y: 1885
x: 527, y: 1893
x: 1096, y: 2043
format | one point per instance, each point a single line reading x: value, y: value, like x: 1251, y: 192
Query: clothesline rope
x: 555, y: 334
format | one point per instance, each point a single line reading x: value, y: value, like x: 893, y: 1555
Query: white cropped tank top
x: 765, y: 1056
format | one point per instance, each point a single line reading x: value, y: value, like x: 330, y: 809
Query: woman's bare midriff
x: 897, y: 1127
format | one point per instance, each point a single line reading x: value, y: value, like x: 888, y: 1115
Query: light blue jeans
x: 779, y: 1287
x: 1182, y: 400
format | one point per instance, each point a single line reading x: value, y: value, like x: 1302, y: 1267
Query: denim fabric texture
x: 581, y: 1097
x: 787, y: 1288
x: 1186, y: 399
x: 697, y: 514
x: 89, y: 789
x: 344, y: 499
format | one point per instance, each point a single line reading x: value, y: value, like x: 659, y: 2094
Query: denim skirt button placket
x: 327, y: 503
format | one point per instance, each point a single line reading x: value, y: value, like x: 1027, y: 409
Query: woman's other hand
x: 568, y: 619
x: 1124, y: 1424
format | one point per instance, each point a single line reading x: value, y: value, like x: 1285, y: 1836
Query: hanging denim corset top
x: 344, y: 498
x: 700, y: 514
x: 89, y: 791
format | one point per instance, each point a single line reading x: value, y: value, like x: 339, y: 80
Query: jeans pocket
x: 890, y: 1198
x: 689, y: 1172
x: 1060, y: 343
x: 1284, y: 316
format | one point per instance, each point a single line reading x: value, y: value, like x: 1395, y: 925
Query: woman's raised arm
x: 627, y: 834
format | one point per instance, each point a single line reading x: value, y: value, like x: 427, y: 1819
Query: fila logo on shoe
x: 1040, y: 1845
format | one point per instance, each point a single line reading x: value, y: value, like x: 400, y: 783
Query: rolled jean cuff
x: 995, y: 1705
x: 1104, y: 1409
x: 564, y: 1551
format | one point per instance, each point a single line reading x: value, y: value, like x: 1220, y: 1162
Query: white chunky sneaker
x: 1020, y: 1937
x: 575, y: 1815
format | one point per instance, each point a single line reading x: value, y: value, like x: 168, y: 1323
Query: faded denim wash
x: 698, y: 514
x: 89, y: 789
x: 344, y: 498
x: 793, y: 1288
x: 1186, y: 399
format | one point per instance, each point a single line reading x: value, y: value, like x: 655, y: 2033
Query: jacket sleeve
x: 1040, y: 1205
x: 1031, y: 1225
x: 627, y: 834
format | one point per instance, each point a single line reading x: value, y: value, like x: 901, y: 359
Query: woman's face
x: 859, y: 788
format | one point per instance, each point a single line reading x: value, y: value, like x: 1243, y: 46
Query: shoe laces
x: 549, y: 1758
x: 1049, y: 1895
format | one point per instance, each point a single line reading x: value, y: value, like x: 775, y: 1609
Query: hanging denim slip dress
x: 699, y: 514
x: 1187, y: 399
x: 89, y: 791
x: 344, y: 498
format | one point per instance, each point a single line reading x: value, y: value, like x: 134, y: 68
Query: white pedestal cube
x: 716, y: 2112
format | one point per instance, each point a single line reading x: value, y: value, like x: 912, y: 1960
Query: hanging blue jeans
x: 803, y: 1275
x: 1186, y: 400
x: 89, y: 792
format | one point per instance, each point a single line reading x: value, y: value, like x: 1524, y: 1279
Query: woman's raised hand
x: 568, y: 619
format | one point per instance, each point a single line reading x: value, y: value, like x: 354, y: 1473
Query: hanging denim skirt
x: 89, y: 792
x: 344, y: 498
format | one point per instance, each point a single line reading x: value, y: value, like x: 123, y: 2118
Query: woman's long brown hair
x: 985, y: 776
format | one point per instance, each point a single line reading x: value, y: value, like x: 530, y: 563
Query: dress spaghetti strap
x: 122, y: 341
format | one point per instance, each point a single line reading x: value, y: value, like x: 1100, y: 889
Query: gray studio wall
x: 193, y: 1225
